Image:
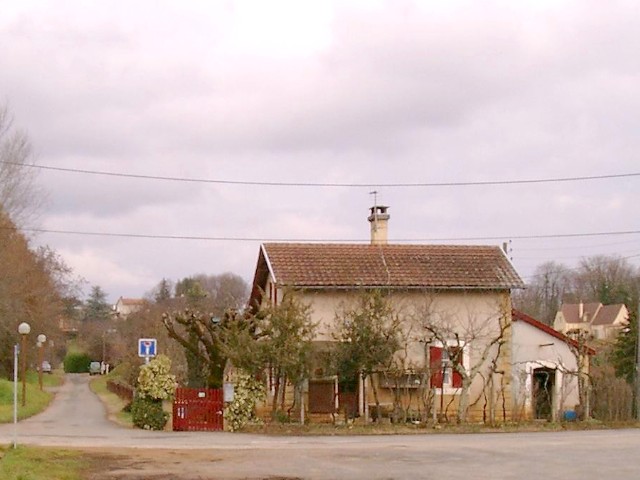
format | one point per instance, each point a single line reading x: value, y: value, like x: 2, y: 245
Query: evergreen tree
x: 96, y: 307
x: 623, y: 355
x: 162, y: 291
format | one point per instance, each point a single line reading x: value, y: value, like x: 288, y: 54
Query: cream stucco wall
x: 611, y: 331
x: 123, y: 309
x: 533, y: 348
x: 559, y: 323
x: 600, y: 332
x: 474, y: 315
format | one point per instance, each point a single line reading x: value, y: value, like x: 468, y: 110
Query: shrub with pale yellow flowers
x: 155, y: 384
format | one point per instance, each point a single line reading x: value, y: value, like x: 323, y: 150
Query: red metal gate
x: 198, y: 409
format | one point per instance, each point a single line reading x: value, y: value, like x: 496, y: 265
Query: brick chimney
x: 379, y: 219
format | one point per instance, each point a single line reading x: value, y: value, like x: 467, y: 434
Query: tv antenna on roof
x: 375, y: 197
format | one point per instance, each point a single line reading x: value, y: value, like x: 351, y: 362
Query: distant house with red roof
x: 601, y: 321
x: 467, y: 285
x: 126, y: 306
x: 547, y: 368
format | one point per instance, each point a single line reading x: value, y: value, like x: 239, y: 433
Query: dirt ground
x: 148, y: 464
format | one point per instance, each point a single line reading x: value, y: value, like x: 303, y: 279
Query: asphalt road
x: 77, y: 419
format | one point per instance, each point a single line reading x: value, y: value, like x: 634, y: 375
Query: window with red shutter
x: 444, y: 366
x: 435, y: 364
x: 455, y: 354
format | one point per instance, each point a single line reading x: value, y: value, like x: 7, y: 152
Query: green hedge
x: 148, y: 414
x: 76, y: 363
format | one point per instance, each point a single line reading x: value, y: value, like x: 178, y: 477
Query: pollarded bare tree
x: 581, y: 351
x: 194, y: 317
x: 197, y: 332
x: 463, y: 346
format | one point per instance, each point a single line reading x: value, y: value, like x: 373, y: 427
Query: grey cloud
x: 112, y: 197
x: 401, y: 94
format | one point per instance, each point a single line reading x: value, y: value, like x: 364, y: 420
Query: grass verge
x: 112, y: 402
x: 38, y: 463
x: 326, y: 429
x: 37, y: 400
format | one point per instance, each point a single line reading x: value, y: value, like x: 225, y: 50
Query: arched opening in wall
x: 544, y: 380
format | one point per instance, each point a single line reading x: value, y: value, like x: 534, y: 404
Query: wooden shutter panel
x: 435, y: 364
x: 456, y: 359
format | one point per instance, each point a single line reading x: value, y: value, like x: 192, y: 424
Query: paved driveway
x: 77, y: 419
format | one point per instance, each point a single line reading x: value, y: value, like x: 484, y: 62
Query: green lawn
x: 37, y: 401
x: 36, y: 463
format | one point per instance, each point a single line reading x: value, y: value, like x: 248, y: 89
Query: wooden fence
x: 198, y: 409
x: 123, y: 391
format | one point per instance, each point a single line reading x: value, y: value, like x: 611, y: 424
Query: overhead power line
x: 262, y: 239
x: 329, y: 184
x: 564, y: 270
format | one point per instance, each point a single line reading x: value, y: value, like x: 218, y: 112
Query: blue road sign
x: 147, y: 347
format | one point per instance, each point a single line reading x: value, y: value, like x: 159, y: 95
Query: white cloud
x: 98, y: 269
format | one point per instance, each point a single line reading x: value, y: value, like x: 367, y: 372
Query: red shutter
x: 456, y: 359
x: 435, y: 364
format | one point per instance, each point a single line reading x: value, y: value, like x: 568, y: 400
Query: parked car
x: 94, y: 368
x: 46, y: 367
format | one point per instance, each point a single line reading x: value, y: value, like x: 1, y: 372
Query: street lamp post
x: 15, y: 395
x: 42, y: 338
x: 23, y: 329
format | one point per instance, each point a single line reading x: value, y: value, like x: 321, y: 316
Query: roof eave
x: 397, y: 287
x: 521, y: 316
x: 268, y: 261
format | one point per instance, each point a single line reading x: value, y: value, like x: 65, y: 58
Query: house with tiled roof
x: 549, y: 370
x: 126, y: 306
x: 601, y: 321
x: 464, y: 286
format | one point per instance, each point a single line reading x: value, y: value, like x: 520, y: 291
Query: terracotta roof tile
x: 132, y: 301
x: 520, y: 316
x: 571, y: 312
x: 593, y: 313
x: 607, y: 314
x: 409, y: 266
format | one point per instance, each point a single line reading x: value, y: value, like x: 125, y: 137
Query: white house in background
x: 601, y: 321
x: 126, y: 306
x: 545, y: 370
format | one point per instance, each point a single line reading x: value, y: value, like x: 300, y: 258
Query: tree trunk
x: 463, y: 405
x: 276, y: 393
x: 283, y: 395
x: 375, y: 398
x: 194, y: 365
x: 216, y: 374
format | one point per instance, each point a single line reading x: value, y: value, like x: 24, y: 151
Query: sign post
x: 16, y: 351
x: 147, y: 348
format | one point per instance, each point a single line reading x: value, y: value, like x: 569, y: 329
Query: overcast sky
x: 354, y: 92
